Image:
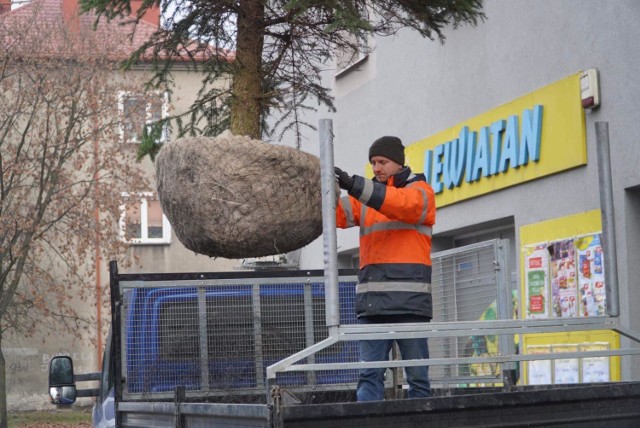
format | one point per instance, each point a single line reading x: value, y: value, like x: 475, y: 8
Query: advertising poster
x: 591, y: 275
x: 536, y: 279
x: 564, y: 286
x: 539, y: 372
x: 566, y: 370
x: 595, y: 369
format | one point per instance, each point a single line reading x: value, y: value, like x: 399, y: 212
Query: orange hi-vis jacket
x: 396, y: 221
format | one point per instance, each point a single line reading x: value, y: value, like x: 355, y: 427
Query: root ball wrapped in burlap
x: 235, y: 197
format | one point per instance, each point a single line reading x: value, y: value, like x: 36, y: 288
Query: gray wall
x: 414, y: 88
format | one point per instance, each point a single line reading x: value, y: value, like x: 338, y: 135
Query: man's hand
x: 345, y: 181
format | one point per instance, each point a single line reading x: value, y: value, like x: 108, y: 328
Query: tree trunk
x: 246, y: 106
x: 3, y: 389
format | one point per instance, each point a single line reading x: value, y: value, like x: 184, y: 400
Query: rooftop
x: 55, y: 28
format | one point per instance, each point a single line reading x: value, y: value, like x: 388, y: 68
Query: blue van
x: 213, y: 334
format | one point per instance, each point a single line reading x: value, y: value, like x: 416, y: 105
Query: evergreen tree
x: 272, y: 51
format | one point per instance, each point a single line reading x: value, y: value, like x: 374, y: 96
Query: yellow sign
x: 539, y: 134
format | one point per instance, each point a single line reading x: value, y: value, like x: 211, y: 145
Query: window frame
x: 144, y: 239
x: 357, y: 60
x: 122, y: 95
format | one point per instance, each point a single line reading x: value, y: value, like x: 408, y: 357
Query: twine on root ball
x: 234, y: 197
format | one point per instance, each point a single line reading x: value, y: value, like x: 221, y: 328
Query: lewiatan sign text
x: 539, y: 134
x: 492, y: 150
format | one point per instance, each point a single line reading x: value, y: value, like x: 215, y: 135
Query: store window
x: 142, y: 220
x: 139, y: 110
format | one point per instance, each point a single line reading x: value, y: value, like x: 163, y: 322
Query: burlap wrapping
x: 234, y: 197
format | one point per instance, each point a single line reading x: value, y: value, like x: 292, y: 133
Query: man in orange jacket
x: 395, y: 212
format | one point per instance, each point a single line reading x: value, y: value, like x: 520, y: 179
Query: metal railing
x: 505, y: 329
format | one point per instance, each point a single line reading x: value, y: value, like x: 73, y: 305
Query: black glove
x: 345, y: 181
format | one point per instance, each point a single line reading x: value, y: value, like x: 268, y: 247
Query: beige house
x: 152, y: 247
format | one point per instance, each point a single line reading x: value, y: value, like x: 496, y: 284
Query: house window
x: 140, y: 110
x: 142, y: 220
x: 350, y: 59
x: 15, y: 4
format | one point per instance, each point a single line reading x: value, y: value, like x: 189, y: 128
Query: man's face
x: 383, y: 168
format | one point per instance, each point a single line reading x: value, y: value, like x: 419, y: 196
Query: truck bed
x: 580, y: 405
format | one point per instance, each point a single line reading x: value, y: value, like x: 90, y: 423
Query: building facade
x: 495, y: 118
x: 502, y: 120
x: 152, y: 247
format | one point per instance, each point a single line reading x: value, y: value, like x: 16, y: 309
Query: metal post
x: 328, y: 188
x: 608, y: 219
x: 202, y: 335
x: 180, y: 395
x: 256, y: 308
x: 504, y: 306
x: 116, y: 345
x: 395, y: 372
x: 309, y: 328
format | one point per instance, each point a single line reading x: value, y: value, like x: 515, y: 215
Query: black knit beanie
x: 389, y: 147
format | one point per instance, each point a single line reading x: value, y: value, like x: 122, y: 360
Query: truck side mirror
x: 62, y: 387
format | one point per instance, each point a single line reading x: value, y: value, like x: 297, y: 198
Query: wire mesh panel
x: 218, y: 337
x: 465, y: 288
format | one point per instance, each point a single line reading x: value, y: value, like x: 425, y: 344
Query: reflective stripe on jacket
x: 395, y: 222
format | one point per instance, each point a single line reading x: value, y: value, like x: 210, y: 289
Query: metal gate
x: 467, y: 286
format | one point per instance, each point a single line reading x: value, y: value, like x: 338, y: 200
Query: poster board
x: 565, y: 278
x: 561, y: 370
x: 536, y: 262
x: 590, y: 269
x: 595, y: 369
x: 567, y: 239
x: 566, y: 370
x: 540, y: 371
x: 564, y: 285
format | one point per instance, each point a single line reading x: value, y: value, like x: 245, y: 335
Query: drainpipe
x: 98, y: 243
x: 608, y: 219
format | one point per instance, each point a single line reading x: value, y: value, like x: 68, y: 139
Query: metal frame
x: 457, y: 329
x: 503, y: 328
x: 122, y: 283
